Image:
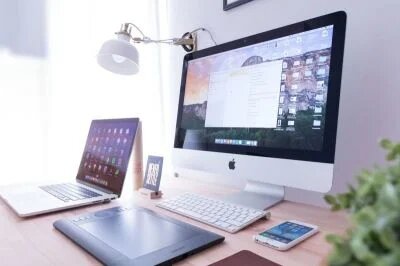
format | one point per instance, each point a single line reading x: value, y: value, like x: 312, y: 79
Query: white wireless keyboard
x: 224, y: 215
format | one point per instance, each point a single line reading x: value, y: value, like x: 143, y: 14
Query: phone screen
x: 286, y: 232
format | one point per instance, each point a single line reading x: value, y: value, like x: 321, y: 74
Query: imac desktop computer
x: 264, y: 109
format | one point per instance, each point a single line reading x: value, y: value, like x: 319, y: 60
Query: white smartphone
x: 286, y: 235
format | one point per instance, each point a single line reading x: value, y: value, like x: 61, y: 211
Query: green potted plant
x: 374, y: 208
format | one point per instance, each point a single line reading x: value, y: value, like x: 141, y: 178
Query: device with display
x: 107, y: 151
x: 100, y: 176
x: 263, y: 111
x: 286, y: 234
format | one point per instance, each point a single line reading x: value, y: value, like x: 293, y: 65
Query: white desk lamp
x: 121, y: 56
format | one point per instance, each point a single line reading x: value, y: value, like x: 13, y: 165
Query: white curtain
x: 68, y: 89
x: 23, y: 97
x: 22, y: 109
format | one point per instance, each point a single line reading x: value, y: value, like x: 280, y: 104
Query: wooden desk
x: 34, y: 241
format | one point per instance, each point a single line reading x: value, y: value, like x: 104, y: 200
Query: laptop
x: 100, y: 177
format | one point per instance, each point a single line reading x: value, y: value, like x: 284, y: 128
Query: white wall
x: 370, y: 92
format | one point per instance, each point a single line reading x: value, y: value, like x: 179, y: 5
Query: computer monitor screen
x: 106, y: 155
x: 274, y: 94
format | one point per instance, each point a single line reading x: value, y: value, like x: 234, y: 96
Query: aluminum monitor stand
x: 258, y: 195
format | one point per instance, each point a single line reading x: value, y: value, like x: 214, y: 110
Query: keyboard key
x: 223, y: 224
x: 234, y: 222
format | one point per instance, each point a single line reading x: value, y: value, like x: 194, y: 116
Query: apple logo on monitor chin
x: 231, y: 164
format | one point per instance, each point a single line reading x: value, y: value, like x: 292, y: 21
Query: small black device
x: 135, y: 236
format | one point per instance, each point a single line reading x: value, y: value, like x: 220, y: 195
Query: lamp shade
x: 119, y: 56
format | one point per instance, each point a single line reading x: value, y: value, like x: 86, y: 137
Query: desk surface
x: 34, y: 241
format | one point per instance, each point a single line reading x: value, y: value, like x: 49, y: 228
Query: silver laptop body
x: 100, y: 175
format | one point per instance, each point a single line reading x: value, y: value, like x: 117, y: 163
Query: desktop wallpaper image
x: 303, y: 94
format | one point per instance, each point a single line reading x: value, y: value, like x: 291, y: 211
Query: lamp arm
x: 187, y: 41
x: 172, y: 41
x: 180, y: 41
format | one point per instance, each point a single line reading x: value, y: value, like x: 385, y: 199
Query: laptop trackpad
x: 144, y: 232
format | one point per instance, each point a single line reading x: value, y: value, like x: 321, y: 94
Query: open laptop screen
x: 107, y: 151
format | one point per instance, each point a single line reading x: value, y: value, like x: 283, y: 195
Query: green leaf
x: 334, y: 239
x: 394, y: 153
x: 388, y: 238
x: 336, y: 207
x: 344, y: 200
x: 363, y: 177
x: 390, y: 156
x: 330, y: 199
x: 388, y: 196
x: 360, y: 248
x: 341, y: 255
x: 386, y: 144
x: 366, y: 216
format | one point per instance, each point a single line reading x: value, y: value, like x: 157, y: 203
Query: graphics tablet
x: 135, y: 236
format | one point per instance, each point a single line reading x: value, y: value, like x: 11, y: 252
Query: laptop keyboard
x: 69, y: 192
